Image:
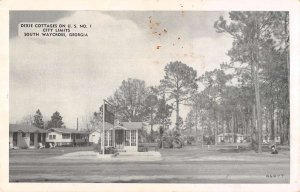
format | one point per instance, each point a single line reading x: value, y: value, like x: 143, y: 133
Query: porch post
x: 129, y: 137
x: 108, y: 137
x: 114, y: 137
x: 11, y: 142
x: 27, y: 139
x: 20, y: 141
x: 35, y: 139
x: 137, y: 138
x: 124, y: 138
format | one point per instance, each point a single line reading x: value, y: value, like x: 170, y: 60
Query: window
x: 92, y: 138
x: 52, y: 137
x: 78, y: 136
x: 127, y: 138
x: 23, y: 134
x: 15, y: 138
x: 66, y: 136
x: 31, y: 139
x: 108, y: 138
x: 39, y: 138
x: 133, y: 137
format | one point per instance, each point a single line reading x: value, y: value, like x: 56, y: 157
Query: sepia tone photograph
x: 149, y: 96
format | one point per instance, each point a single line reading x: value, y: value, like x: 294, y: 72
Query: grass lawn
x: 191, y: 164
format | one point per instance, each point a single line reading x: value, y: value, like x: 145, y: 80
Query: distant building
x: 26, y: 136
x: 94, y: 136
x: 266, y: 138
x: 229, y: 138
x: 277, y: 139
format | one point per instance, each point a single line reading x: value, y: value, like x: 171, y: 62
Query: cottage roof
x: 25, y: 128
x: 66, y: 130
x: 107, y: 125
x: 123, y: 125
x: 99, y: 127
x: 94, y: 130
x: 131, y: 125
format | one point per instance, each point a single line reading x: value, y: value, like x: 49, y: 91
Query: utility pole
x: 103, y: 123
x: 77, y: 124
x: 151, y: 123
x: 196, y: 122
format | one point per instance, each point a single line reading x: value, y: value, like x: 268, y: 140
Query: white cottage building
x: 123, y: 136
x: 229, y: 138
x: 66, y: 137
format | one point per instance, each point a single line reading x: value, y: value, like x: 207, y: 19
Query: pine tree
x: 179, y: 84
x: 56, y: 121
x: 38, y: 119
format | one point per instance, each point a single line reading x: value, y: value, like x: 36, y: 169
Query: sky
x: 74, y: 75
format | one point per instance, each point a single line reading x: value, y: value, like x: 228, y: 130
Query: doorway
x: 119, y: 139
x: 15, y: 138
x: 31, y: 143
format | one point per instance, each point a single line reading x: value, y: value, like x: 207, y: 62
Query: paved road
x: 176, y: 167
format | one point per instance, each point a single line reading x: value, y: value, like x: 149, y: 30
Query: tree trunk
x: 258, y: 108
x: 272, y: 123
x: 288, y: 72
x: 227, y: 125
x: 177, y: 113
x: 287, y: 126
x: 267, y: 121
x: 233, y: 128
x: 253, y: 133
x: 151, y: 124
x: 222, y: 120
x: 216, y: 130
x: 196, y: 122
x: 281, y: 128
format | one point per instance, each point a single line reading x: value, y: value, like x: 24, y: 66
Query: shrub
x: 108, y: 150
x: 97, y: 147
x: 172, y: 139
x: 177, y: 143
x: 142, y: 149
x: 167, y: 144
x: 190, y: 140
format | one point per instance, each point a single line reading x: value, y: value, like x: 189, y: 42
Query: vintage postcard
x: 192, y: 94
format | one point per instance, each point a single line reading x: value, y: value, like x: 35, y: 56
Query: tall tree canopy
x: 250, y: 94
x: 257, y: 38
x: 179, y: 84
x: 129, y: 100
